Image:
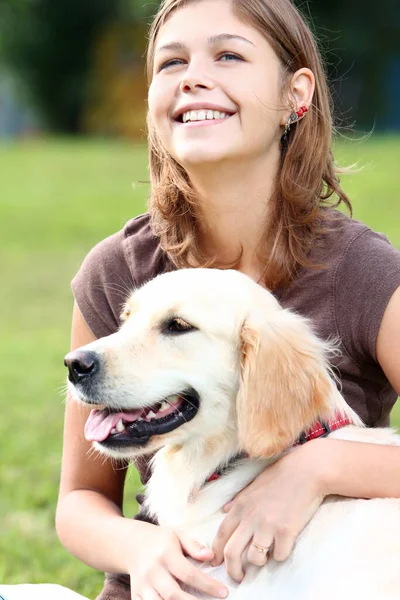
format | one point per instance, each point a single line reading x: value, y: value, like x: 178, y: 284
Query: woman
x: 242, y: 175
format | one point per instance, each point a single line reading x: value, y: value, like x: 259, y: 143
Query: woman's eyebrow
x: 212, y: 40
x: 223, y: 37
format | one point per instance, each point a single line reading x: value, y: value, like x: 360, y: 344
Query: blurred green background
x: 72, y: 113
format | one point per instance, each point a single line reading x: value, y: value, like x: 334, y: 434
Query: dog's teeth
x: 151, y: 414
x: 113, y: 430
x: 173, y: 399
x: 120, y: 426
x: 164, y: 406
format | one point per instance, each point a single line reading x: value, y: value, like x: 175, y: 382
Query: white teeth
x: 164, y: 406
x: 120, y: 426
x: 113, y: 430
x: 151, y: 414
x: 173, y: 399
x: 203, y: 115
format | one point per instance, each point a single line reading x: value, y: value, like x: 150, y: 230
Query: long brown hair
x: 307, y: 181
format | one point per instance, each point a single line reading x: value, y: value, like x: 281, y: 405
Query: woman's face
x: 216, y: 88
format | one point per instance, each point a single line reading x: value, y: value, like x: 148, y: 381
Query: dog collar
x: 322, y: 429
x: 319, y: 429
x: 224, y: 468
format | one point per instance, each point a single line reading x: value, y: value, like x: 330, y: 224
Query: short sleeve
x: 103, y: 284
x: 365, y: 280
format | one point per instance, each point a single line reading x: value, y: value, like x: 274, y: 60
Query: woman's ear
x: 300, y: 91
x: 285, y: 384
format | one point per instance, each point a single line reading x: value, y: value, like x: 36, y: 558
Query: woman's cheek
x: 159, y: 110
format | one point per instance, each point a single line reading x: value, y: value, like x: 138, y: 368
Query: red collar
x: 317, y: 430
x: 322, y: 429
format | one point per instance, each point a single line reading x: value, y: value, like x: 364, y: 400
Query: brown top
x: 345, y: 299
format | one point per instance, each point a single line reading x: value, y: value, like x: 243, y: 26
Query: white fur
x: 351, y: 548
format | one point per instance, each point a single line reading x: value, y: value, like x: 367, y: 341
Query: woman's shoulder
x: 356, y: 271
x: 364, y: 275
x: 134, y: 246
x: 113, y: 269
x: 354, y: 253
x: 343, y: 235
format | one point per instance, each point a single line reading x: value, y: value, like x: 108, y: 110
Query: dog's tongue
x: 100, y: 423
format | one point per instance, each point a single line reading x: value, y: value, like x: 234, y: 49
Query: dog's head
x: 202, y: 353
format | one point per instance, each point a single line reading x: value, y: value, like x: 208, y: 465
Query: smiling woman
x: 257, y: 75
x: 242, y: 176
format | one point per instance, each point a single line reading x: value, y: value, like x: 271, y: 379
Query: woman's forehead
x: 211, y: 20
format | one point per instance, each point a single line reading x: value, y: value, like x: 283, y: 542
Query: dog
x: 213, y: 375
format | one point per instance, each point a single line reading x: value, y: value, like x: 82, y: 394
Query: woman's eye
x: 169, y: 63
x: 173, y: 62
x: 228, y: 56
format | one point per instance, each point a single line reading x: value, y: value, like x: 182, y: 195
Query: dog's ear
x: 285, y: 383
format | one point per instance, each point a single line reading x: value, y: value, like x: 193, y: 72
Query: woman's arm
x: 388, y: 341
x: 367, y: 470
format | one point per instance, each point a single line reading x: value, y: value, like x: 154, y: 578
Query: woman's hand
x: 272, y: 511
x: 162, y: 566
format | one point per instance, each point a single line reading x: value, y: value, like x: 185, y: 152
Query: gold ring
x: 260, y: 548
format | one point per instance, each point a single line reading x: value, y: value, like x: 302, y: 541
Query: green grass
x: 58, y: 198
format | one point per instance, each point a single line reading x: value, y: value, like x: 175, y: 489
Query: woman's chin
x: 198, y: 158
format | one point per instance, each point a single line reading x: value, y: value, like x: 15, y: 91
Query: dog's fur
x: 262, y: 377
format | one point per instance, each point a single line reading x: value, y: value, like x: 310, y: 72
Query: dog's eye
x: 125, y: 313
x: 176, y: 326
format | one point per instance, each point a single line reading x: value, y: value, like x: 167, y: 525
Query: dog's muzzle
x: 125, y: 428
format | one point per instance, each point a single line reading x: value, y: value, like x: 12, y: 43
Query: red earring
x: 301, y: 111
x: 293, y: 118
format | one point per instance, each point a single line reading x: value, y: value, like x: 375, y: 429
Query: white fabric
x: 45, y: 591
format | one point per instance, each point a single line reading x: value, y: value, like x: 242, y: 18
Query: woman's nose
x: 196, y: 78
x: 191, y: 85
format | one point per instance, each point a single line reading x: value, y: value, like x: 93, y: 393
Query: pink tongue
x: 100, y: 423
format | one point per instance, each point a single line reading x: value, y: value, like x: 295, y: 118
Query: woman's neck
x: 233, y: 208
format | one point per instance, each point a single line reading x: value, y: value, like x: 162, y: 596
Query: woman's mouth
x: 202, y: 118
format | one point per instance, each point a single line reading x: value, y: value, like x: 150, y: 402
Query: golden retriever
x: 208, y: 367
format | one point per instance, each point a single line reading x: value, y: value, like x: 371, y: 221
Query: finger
x: 194, y: 577
x: 224, y: 533
x: 148, y: 594
x: 171, y: 590
x: 165, y: 587
x: 194, y: 549
x: 257, y: 553
x: 283, y: 546
x: 234, y: 549
x: 227, y: 507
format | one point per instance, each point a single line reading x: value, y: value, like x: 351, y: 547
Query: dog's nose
x: 81, y: 365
